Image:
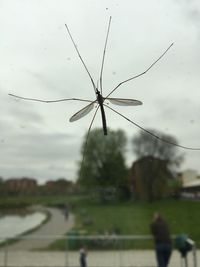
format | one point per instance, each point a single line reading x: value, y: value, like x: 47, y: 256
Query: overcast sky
x: 38, y: 60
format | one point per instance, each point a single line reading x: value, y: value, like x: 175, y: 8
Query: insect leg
x: 86, y: 142
x: 75, y: 46
x: 150, y: 133
x: 104, y: 52
x: 142, y: 73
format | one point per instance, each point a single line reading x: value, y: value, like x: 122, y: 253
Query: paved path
x: 131, y: 258
x: 46, y: 234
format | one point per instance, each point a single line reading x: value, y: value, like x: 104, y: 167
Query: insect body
x: 103, y: 116
x: 100, y: 101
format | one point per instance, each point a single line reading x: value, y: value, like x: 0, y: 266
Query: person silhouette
x: 162, y: 239
x: 83, y: 256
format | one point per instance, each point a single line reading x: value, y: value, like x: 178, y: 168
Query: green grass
x: 131, y: 218
x: 24, y: 201
x: 134, y: 218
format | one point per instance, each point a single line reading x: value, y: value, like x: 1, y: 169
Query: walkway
x: 137, y: 258
x: 57, y: 225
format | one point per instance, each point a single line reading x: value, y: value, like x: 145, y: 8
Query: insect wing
x: 124, y: 101
x: 81, y: 113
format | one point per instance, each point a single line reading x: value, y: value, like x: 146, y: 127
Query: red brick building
x: 21, y: 185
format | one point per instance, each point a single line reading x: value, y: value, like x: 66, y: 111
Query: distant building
x: 150, y: 178
x: 190, y: 184
x: 188, y: 176
x: 15, y: 185
x: 60, y: 186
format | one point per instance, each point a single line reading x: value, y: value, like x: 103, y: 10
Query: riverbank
x: 39, y: 239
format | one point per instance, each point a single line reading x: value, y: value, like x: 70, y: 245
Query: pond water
x: 13, y: 225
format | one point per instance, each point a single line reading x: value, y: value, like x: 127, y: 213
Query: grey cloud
x: 179, y: 109
x: 44, y: 80
x: 191, y: 10
x: 41, y: 146
x: 26, y: 115
x: 19, y: 115
x: 39, y: 155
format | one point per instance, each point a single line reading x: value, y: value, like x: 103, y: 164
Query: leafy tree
x: 103, y: 166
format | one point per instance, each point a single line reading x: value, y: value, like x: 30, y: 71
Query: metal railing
x: 103, y: 250
x: 184, y: 261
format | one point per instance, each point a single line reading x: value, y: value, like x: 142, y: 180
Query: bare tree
x: 145, y: 145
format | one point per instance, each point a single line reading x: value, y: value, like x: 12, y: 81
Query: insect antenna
x: 75, y: 46
x: 86, y: 142
x: 104, y: 52
x: 142, y: 73
x: 150, y: 133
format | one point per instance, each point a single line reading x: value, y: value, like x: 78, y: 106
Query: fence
x: 103, y: 251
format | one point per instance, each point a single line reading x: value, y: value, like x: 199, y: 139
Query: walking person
x: 162, y: 239
x: 66, y: 211
x: 83, y: 255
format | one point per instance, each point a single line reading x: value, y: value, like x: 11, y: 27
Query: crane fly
x: 100, y: 99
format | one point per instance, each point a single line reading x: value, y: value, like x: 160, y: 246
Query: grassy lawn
x: 131, y: 218
x: 7, y: 202
x: 134, y: 218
